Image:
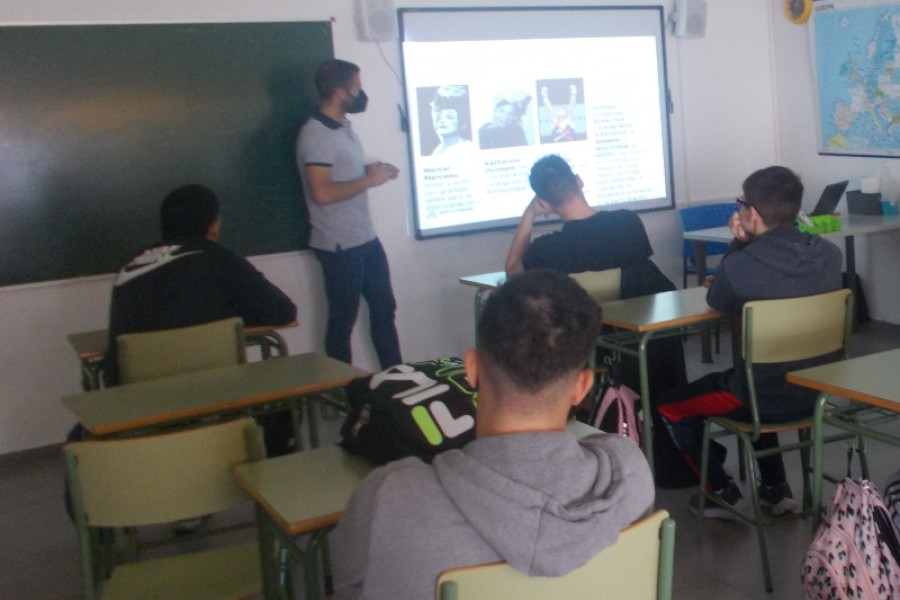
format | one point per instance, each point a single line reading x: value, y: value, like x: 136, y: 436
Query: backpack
x: 411, y: 409
x: 855, y: 551
x: 623, y: 399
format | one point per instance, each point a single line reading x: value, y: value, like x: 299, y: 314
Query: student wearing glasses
x: 769, y: 258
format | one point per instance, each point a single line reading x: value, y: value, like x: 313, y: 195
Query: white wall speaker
x: 376, y: 20
x: 689, y: 18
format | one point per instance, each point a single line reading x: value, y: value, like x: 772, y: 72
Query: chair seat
x: 747, y: 427
x: 232, y: 572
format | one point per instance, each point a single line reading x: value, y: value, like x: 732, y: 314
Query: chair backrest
x: 792, y: 329
x: 637, y: 567
x: 602, y: 286
x: 160, y: 478
x: 704, y: 216
x: 154, y: 354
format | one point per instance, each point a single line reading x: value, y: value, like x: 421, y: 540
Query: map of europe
x: 857, y: 60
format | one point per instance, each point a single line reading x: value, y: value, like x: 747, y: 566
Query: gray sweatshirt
x: 543, y: 502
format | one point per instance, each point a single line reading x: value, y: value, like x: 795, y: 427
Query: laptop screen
x: 829, y: 199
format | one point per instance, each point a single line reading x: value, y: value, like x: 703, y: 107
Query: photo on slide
x: 444, y: 120
x: 511, y: 121
x: 562, y: 114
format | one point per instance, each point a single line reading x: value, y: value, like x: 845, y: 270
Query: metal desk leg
x: 313, y: 422
x: 850, y: 254
x: 91, y: 373
x: 270, y: 557
x: 700, y: 254
x: 296, y: 422
x: 645, y: 399
x: 818, y: 433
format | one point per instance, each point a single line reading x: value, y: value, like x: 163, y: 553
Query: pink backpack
x: 855, y: 551
x: 623, y: 398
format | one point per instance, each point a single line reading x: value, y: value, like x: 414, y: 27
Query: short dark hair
x: 537, y: 328
x: 553, y: 180
x: 334, y: 74
x: 188, y: 211
x: 776, y: 193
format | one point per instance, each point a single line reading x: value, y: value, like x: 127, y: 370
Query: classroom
x: 743, y: 98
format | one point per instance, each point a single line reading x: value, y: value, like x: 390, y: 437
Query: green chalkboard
x: 98, y: 122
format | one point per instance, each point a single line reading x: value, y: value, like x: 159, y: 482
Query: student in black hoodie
x: 768, y: 259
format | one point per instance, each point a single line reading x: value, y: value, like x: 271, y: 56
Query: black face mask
x: 358, y: 104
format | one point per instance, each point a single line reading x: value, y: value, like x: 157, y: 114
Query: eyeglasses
x: 739, y: 202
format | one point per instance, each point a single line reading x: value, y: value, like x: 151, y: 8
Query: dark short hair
x: 188, y: 211
x: 776, y: 193
x: 552, y: 179
x: 334, y: 74
x: 537, y: 328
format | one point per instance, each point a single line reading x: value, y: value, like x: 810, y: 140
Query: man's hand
x: 380, y: 173
x: 734, y: 224
x: 536, y: 208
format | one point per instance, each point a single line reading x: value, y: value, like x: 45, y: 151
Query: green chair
x: 637, y: 567
x: 776, y: 331
x: 122, y: 484
x: 602, y: 286
x: 154, y: 354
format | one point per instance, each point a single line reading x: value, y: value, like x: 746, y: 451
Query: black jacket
x: 188, y: 282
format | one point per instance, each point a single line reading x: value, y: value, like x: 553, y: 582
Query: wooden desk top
x: 149, y: 403
x: 660, y: 311
x: 871, y: 379
x: 304, y: 491
x: 485, y: 281
x: 851, y: 225
x: 89, y: 345
x: 281, y: 485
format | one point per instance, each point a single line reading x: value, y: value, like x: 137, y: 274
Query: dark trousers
x: 683, y: 411
x: 349, y: 274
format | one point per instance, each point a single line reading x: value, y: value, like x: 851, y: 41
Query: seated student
x: 589, y: 240
x: 768, y: 259
x: 524, y: 491
x: 593, y: 240
x: 189, y: 279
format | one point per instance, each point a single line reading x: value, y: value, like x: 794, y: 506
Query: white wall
x: 724, y: 127
x: 876, y: 254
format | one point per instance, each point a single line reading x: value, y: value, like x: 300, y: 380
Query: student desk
x: 871, y: 380
x: 240, y: 388
x: 296, y: 494
x: 484, y: 284
x: 90, y: 348
x: 646, y: 317
x: 306, y: 493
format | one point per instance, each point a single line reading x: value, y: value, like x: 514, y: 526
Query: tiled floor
x: 39, y: 556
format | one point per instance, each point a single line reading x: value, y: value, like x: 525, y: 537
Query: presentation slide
x: 490, y: 91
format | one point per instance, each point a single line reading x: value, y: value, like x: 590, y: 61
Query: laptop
x: 829, y: 199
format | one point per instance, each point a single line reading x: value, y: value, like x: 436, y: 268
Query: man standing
x: 335, y: 183
x: 768, y: 259
x: 525, y: 491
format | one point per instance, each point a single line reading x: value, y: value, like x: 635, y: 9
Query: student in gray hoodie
x: 524, y: 491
